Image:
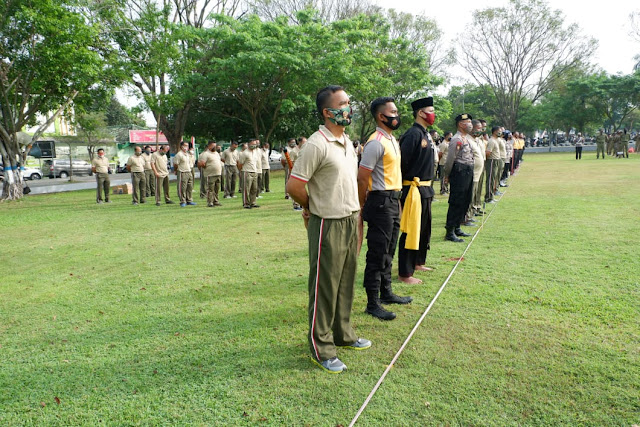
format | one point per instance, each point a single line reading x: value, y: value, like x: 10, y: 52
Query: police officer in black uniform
x: 458, y: 171
x: 417, y: 161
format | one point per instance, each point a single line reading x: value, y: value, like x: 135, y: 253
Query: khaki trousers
x: 333, y: 255
x: 102, y: 179
x: 185, y: 187
x: 139, y: 183
x: 212, y: 185
x: 150, y: 188
x: 231, y: 176
x: 264, y: 183
x: 250, y: 189
x: 162, y: 182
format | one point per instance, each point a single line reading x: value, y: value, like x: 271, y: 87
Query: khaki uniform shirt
x: 136, y: 163
x: 502, y: 145
x: 265, y: 159
x: 293, y: 154
x: 444, y: 149
x: 478, y: 158
x: 461, y: 153
x: 329, y: 166
x: 101, y: 164
x: 601, y: 139
x: 160, y: 162
x: 212, y: 163
x: 250, y: 160
x: 147, y: 161
x: 184, y: 161
x: 230, y: 157
x: 494, y: 148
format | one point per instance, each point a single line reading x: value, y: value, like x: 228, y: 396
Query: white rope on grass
x: 415, y: 328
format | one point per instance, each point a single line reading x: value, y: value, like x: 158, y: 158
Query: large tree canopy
x: 519, y: 51
x: 49, y: 55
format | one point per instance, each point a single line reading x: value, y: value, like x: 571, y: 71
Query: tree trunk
x: 12, y: 185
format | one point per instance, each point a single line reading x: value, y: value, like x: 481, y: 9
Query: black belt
x: 393, y: 194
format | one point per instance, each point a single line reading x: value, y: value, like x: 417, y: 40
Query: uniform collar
x: 382, y: 131
x: 330, y: 137
x: 419, y: 126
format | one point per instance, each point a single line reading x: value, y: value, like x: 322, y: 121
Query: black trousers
x: 506, y: 171
x: 578, y: 153
x: 382, y: 214
x: 408, y: 259
x: 460, y: 187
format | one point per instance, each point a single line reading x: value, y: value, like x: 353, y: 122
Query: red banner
x: 146, y: 137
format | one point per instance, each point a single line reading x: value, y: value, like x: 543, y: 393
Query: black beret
x: 421, y: 103
x: 461, y: 117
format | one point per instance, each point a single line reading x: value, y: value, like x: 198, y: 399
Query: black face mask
x: 389, y: 121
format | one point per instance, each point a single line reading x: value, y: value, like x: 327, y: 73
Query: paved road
x: 58, y: 185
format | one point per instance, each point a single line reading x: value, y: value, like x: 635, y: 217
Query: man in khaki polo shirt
x: 263, y: 178
x: 100, y: 166
x: 250, y: 165
x: 150, y: 188
x: 161, y: 174
x: 292, y: 150
x: 211, y: 171
x: 327, y: 166
x: 230, y: 159
x: 182, y: 165
x: 135, y: 165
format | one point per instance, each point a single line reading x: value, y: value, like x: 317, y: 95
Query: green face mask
x: 342, y: 116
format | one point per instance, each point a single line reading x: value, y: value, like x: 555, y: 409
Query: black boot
x: 375, y: 309
x: 458, y: 232
x: 388, y: 297
x: 451, y: 236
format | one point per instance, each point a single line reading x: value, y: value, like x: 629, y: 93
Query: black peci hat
x: 422, y: 102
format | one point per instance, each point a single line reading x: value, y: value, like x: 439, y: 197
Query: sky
x: 607, y: 21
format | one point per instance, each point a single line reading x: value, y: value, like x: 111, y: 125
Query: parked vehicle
x: 275, y: 156
x: 32, y: 173
x: 59, y: 168
x: 28, y: 173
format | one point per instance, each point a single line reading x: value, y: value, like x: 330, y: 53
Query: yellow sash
x: 410, y: 220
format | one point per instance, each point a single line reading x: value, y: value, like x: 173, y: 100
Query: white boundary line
x: 415, y: 328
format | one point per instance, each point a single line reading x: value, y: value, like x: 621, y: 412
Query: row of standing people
x: 337, y: 194
x: 218, y: 170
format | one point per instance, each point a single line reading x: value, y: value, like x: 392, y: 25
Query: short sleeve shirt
x: 460, y: 151
x: 265, y: 159
x: 147, y: 161
x: 329, y: 167
x: 212, y: 163
x: 381, y: 155
x: 159, y: 160
x: 493, y: 148
x: 503, y: 148
x: 136, y: 163
x: 184, y: 161
x: 250, y: 161
x: 230, y: 157
x: 101, y: 164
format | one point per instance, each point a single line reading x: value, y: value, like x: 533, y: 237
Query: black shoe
x: 170, y: 202
x: 255, y: 206
x: 458, y: 232
x: 394, y: 299
x: 380, y: 313
x: 451, y: 236
x: 247, y: 207
x: 158, y: 204
x: 469, y: 224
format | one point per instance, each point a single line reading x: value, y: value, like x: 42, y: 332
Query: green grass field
x: 150, y: 315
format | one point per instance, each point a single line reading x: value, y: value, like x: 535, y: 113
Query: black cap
x: 461, y: 117
x: 422, y: 102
